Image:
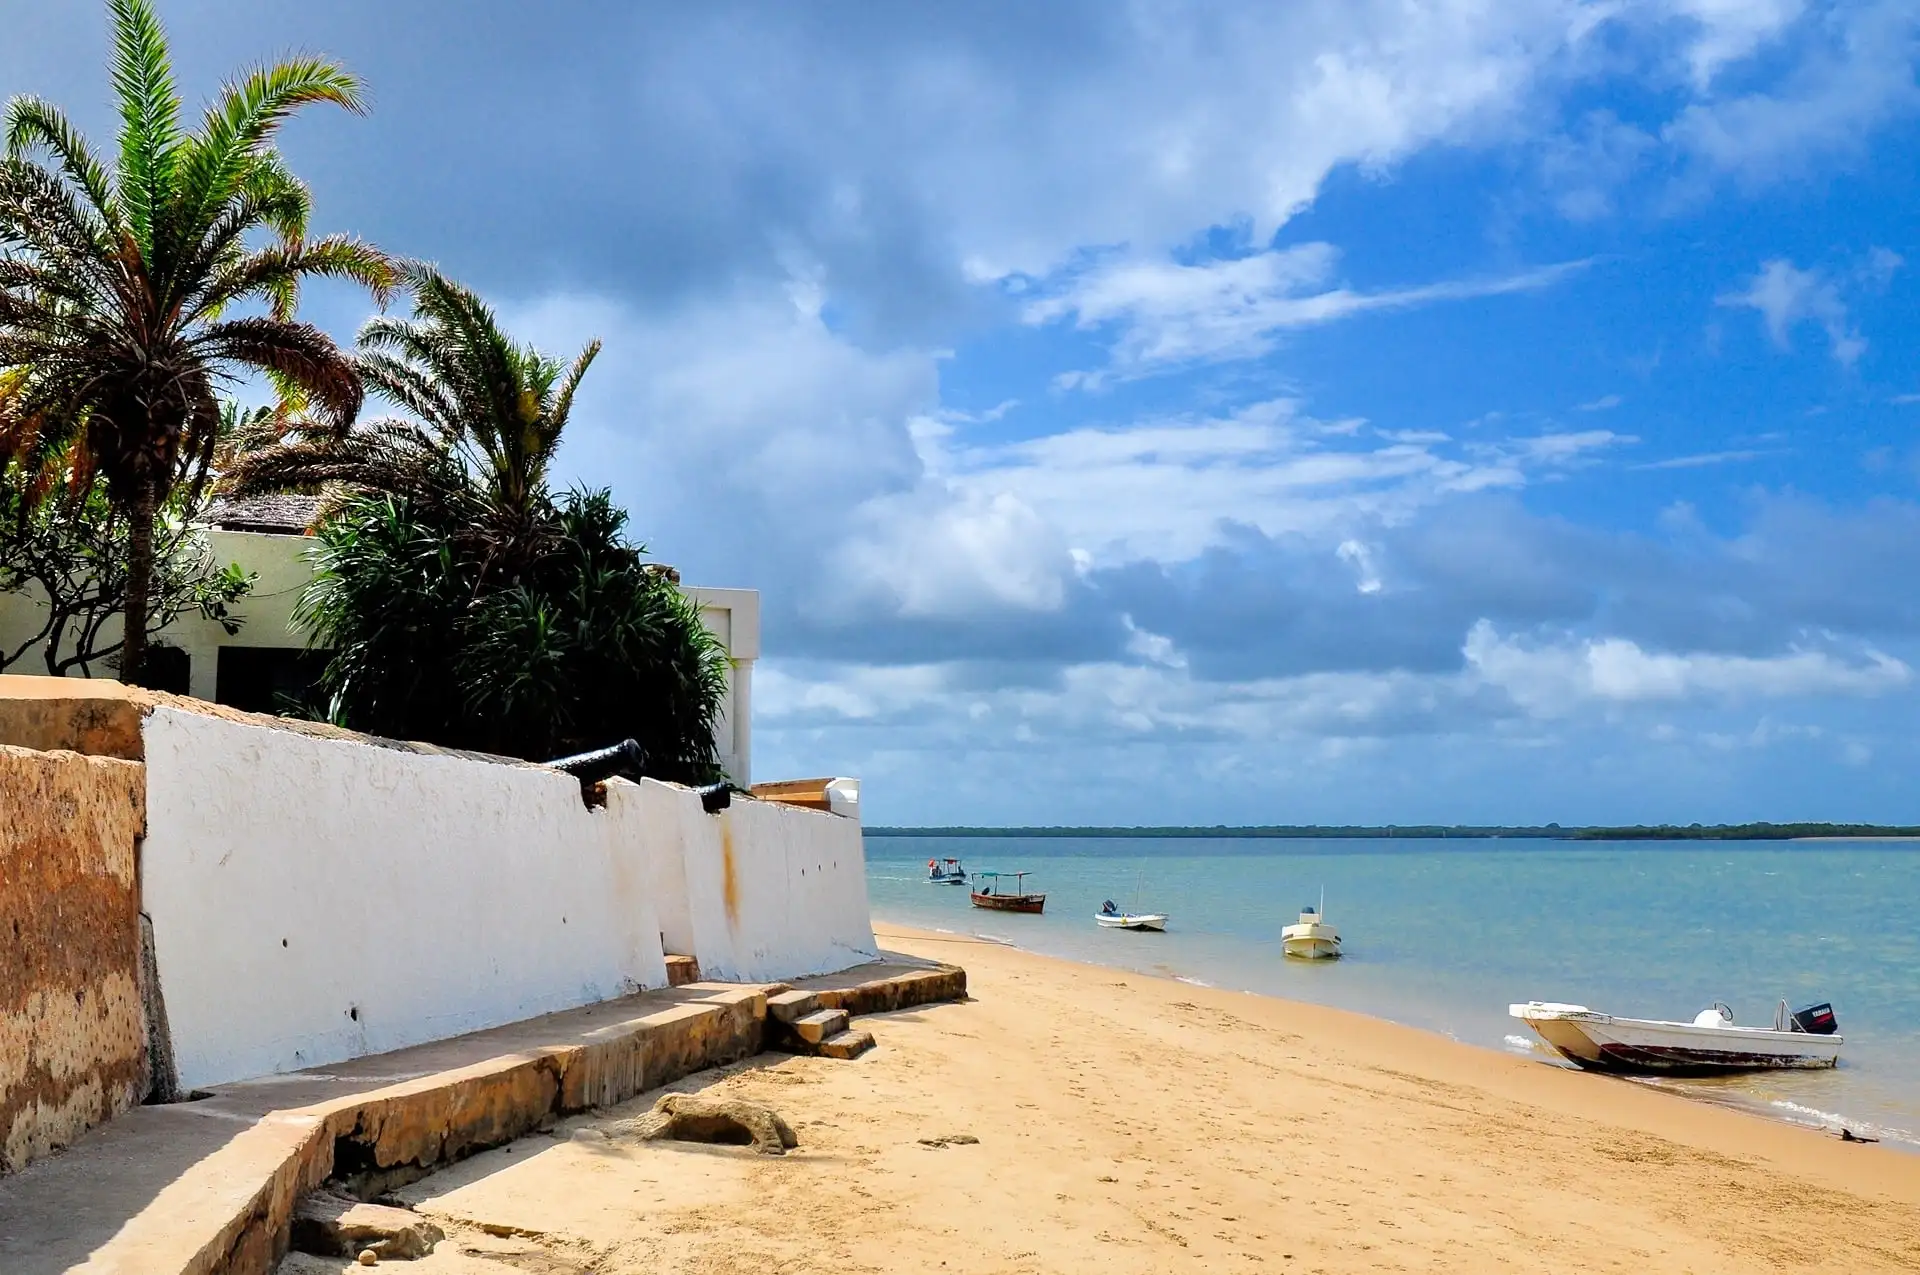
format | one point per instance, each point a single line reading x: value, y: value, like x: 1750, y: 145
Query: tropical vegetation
x: 462, y: 601
x: 132, y: 292
x: 458, y: 598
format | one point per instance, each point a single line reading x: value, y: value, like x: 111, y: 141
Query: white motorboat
x: 1311, y: 938
x: 945, y: 872
x: 1710, y: 1044
x: 1111, y: 918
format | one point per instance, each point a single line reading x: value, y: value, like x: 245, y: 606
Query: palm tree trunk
x: 133, y: 645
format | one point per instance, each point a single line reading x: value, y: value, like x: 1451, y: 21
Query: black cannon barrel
x: 623, y: 758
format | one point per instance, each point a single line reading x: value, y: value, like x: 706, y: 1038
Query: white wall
x: 770, y: 891
x: 317, y: 899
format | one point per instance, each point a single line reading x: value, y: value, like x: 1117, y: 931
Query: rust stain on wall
x: 72, y: 1033
x: 729, y: 882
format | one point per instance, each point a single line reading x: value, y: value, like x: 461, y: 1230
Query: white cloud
x: 1704, y: 459
x: 1558, y: 677
x: 1729, y: 31
x: 1605, y: 403
x: 1167, y: 489
x: 1787, y: 296
x: 1171, y: 314
x: 1851, y: 72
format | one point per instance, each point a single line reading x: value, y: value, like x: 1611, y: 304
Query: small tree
x: 68, y: 557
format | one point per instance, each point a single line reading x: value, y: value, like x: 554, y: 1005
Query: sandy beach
x: 1127, y: 1123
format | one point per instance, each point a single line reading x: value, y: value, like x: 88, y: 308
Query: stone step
x: 846, y: 1044
x: 682, y: 970
x: 790, y: 1007
x: 820, y: 1025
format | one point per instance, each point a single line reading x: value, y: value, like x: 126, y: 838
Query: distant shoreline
x: 1433, y: 832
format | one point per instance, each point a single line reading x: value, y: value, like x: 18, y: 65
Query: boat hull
x: 1311, y: 941
x: 1010, y: 902
x: 1638, y: 1046
x: 1147, y: 921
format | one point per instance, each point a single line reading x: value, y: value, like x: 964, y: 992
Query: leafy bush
x: 583, y: 646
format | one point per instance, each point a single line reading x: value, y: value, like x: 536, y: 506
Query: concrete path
x: 207, y: 1187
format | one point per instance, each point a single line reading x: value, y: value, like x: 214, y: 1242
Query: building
x: 269, y: 659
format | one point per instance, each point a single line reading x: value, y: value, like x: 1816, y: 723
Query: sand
x: 1134, y: 1124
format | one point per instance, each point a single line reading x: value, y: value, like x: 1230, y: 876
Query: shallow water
x: 1445, y: 934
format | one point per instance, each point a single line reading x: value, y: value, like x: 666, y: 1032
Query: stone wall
x: 72, y: 1033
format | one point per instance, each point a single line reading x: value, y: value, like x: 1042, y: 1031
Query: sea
x: 1445, y: 934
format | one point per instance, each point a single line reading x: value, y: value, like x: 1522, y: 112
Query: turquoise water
x: 1445, y: 934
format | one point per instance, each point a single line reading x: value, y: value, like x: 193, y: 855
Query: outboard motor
x: 1817, y: 1020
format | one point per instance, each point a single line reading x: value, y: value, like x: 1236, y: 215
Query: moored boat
x: 1311, y: 938
x: 1709, y: 1045
x: 1112, y: 918
x: 945, y: 872
x: 988, y: 893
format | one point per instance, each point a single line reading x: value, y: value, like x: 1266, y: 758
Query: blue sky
x: 1321, y: 412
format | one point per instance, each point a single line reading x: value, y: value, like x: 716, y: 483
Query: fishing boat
x: 1311, y: 938
x: 988, y: 892
x: 1111, y: 917
x: 945, y: 872
x: 1709, y: 1045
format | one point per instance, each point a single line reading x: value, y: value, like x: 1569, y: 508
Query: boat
x: 1311, y: 938
x: 987, y: 893
x: 945, y: 872
x: 1709, y: 1045
x: 1110, y: 917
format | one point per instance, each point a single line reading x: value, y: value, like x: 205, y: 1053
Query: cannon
x: 629, y: 760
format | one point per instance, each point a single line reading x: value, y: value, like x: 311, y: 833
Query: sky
x: 1339, y: 411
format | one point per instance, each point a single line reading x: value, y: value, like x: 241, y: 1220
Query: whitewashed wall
x: 769, y: 891
x: 317, y: 899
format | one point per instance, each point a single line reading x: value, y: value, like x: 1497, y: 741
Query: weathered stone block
x: 329, y: 1225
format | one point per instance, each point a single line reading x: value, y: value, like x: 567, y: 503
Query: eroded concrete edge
x: 231, y: 1215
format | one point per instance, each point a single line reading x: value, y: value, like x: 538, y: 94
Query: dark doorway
x: 268, y: 679
x: 168, y: 669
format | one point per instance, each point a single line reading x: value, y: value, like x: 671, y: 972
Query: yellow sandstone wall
x: 72, y: 1033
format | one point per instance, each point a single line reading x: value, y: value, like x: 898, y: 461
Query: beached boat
x: 945, y: 872
x: 989, y: 893
x: 1311, y: 938
x: 1708, y: 1045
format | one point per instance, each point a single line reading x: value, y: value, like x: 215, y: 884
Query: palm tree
x: 124, y: 292
x: 485, y: 415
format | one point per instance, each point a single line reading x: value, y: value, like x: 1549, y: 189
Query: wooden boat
x: 1311, y: 938
x: 987, y: 893
x: 1709, y: 1045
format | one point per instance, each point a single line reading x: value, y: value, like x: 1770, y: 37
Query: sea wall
x: 72, y: 1032
x: 315, y: 899
x: 761, y: 891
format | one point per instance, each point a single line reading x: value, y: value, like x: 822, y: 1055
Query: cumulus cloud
x: 1558, y: 677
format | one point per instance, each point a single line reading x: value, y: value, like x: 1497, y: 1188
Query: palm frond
x: 149, y: 117
x: 276, y: 272
x: 34, y: 122
x: 300, y: 352
x: 217, y: 162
